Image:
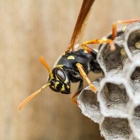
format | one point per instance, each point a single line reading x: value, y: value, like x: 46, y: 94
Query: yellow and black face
x: 59, y: 80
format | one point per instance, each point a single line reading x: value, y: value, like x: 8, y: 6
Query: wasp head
x: 59, y: 80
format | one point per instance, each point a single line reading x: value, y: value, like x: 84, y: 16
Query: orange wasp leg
x: 73, y: 98
x: 114, y: 26
x: 98, y: 41
x: 83, y: 74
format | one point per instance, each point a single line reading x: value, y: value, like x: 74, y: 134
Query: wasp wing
x: 81, y: 23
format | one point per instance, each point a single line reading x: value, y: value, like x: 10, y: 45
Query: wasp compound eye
x: 60, y: 75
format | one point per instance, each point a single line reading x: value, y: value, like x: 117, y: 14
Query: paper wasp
x: 73, y: 66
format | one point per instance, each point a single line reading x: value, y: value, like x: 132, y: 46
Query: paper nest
x: 116, y: 106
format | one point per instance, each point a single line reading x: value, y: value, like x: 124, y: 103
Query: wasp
x: 74, y: 66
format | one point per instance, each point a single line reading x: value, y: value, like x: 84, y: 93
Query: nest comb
x: 116, y: 106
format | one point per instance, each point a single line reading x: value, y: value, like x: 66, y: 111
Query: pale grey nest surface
x: 116, y: 106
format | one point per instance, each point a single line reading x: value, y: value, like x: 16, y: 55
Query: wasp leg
x: 114, y: 26
x: 77, y: 93
x: 83, y: 74
x: 97, y: 41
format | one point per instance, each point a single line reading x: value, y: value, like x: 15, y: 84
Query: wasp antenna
x: 32, y: 96
x: 42, y: 60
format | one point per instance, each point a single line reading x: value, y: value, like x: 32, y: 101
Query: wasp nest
x: 116, y: 106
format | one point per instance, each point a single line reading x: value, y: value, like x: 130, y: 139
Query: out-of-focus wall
x: 33, y: 28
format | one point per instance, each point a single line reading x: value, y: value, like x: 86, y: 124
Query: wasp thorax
x: 59, y: 80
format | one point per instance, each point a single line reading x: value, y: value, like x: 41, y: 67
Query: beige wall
x: 33, y: 28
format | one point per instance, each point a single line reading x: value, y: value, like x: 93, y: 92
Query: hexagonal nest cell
x: 135, y: 121
x: 135, y: 79
x: 89, y: 104
x: 115, y: 128
x: 114, y: 98
x: 134, y: 40
x: 111, y: 60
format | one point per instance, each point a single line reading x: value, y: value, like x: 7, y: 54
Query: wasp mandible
x: 74, y: 66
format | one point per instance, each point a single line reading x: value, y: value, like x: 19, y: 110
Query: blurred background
x: 33, y: 28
